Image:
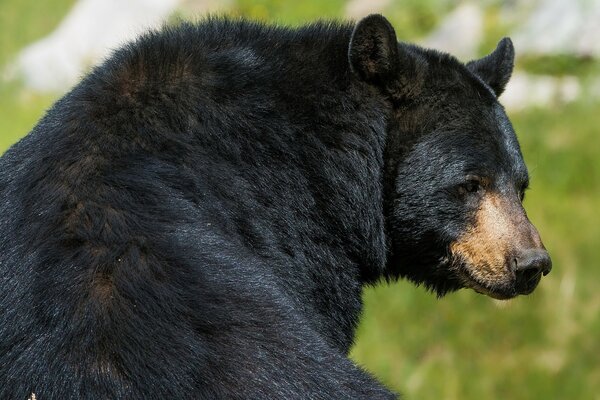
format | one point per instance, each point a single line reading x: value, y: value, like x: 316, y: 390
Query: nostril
x: 535, y: 260
x: 547, y: 270
x: 547, y: 265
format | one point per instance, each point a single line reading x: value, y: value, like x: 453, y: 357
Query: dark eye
x: 472, y: 186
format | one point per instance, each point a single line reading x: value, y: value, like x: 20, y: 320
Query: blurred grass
x: 465, y: 346
x: 22, y: 22
x: 287, y: 12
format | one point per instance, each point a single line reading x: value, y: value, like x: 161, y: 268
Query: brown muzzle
x: 501, y: 254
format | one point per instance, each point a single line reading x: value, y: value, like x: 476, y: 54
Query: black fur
x: 496, y: 68
x: 197, y: 218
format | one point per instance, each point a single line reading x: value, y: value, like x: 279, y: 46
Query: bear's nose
x: 529, y: 266
x: 533, y: 261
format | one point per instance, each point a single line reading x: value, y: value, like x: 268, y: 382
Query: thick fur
x: 197, y: 218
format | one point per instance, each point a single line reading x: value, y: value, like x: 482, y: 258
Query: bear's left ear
x: 373, y: 51
x: 496, y: 68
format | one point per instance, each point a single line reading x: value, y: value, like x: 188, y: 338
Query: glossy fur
x: 197, y: 218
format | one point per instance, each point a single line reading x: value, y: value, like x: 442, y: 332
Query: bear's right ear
x: 495, y: 69
x: 373, y: 52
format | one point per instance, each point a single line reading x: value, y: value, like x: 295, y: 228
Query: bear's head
x: 455, y: 176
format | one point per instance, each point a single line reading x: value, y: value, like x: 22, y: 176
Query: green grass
x: 287, y: 12
x: 21, y: 22
x: 465, y: 346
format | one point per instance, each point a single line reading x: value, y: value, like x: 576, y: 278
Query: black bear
x: 198, y: 217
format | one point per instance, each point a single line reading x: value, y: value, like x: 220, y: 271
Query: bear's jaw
x: 504, y: 287
x: 500, y: 254
x: 498, y: 291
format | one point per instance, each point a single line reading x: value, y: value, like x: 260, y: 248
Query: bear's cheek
x: 485, y: 250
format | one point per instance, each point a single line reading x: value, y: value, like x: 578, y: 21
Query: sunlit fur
x: 198, y: 217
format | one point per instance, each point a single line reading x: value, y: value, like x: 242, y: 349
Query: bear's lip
x: 504, y: 292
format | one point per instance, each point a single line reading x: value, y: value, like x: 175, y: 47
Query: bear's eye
x: 472, y: 185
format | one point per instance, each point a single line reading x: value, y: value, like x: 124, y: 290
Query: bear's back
x: 187, y: 189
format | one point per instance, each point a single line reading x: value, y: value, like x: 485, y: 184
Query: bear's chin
x: 501, y: 290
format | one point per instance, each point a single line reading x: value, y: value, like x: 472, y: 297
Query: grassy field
x: 465, y: 346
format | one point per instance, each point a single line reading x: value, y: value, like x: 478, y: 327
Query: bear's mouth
x: 500, y: 290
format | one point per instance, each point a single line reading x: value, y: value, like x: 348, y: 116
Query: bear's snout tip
x: 534, y: 259
x: 529, y: 266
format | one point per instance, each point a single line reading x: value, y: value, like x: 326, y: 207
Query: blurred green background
x: 464, y: 346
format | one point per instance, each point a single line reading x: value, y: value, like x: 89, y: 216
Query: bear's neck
x: 286, y: 149
x: 309, y: 198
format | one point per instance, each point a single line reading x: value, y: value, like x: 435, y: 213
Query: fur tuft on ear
x: 496, y: 68
x: 373, y: 50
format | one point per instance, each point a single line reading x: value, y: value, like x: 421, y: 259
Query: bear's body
x: 198, y: 217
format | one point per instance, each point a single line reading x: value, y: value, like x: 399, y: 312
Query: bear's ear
x: 373, y: 51
x: 496, y: 68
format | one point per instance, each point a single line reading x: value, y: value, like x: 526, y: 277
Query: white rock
x: 356, y: 9
x: 196, y: 8
x: 561, y: 27
x: 526, y: 90
x: 460, y: 33
x: 86, y: 35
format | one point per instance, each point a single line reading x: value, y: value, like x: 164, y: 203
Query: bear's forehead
x: 510, y: 145
x: 479, y: 122
x: 492, y: 146
x: 482, y: 143
x: 445, y: 70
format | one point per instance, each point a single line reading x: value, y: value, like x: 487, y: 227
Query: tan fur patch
x: 485, y: 246
x: 103, y: 288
